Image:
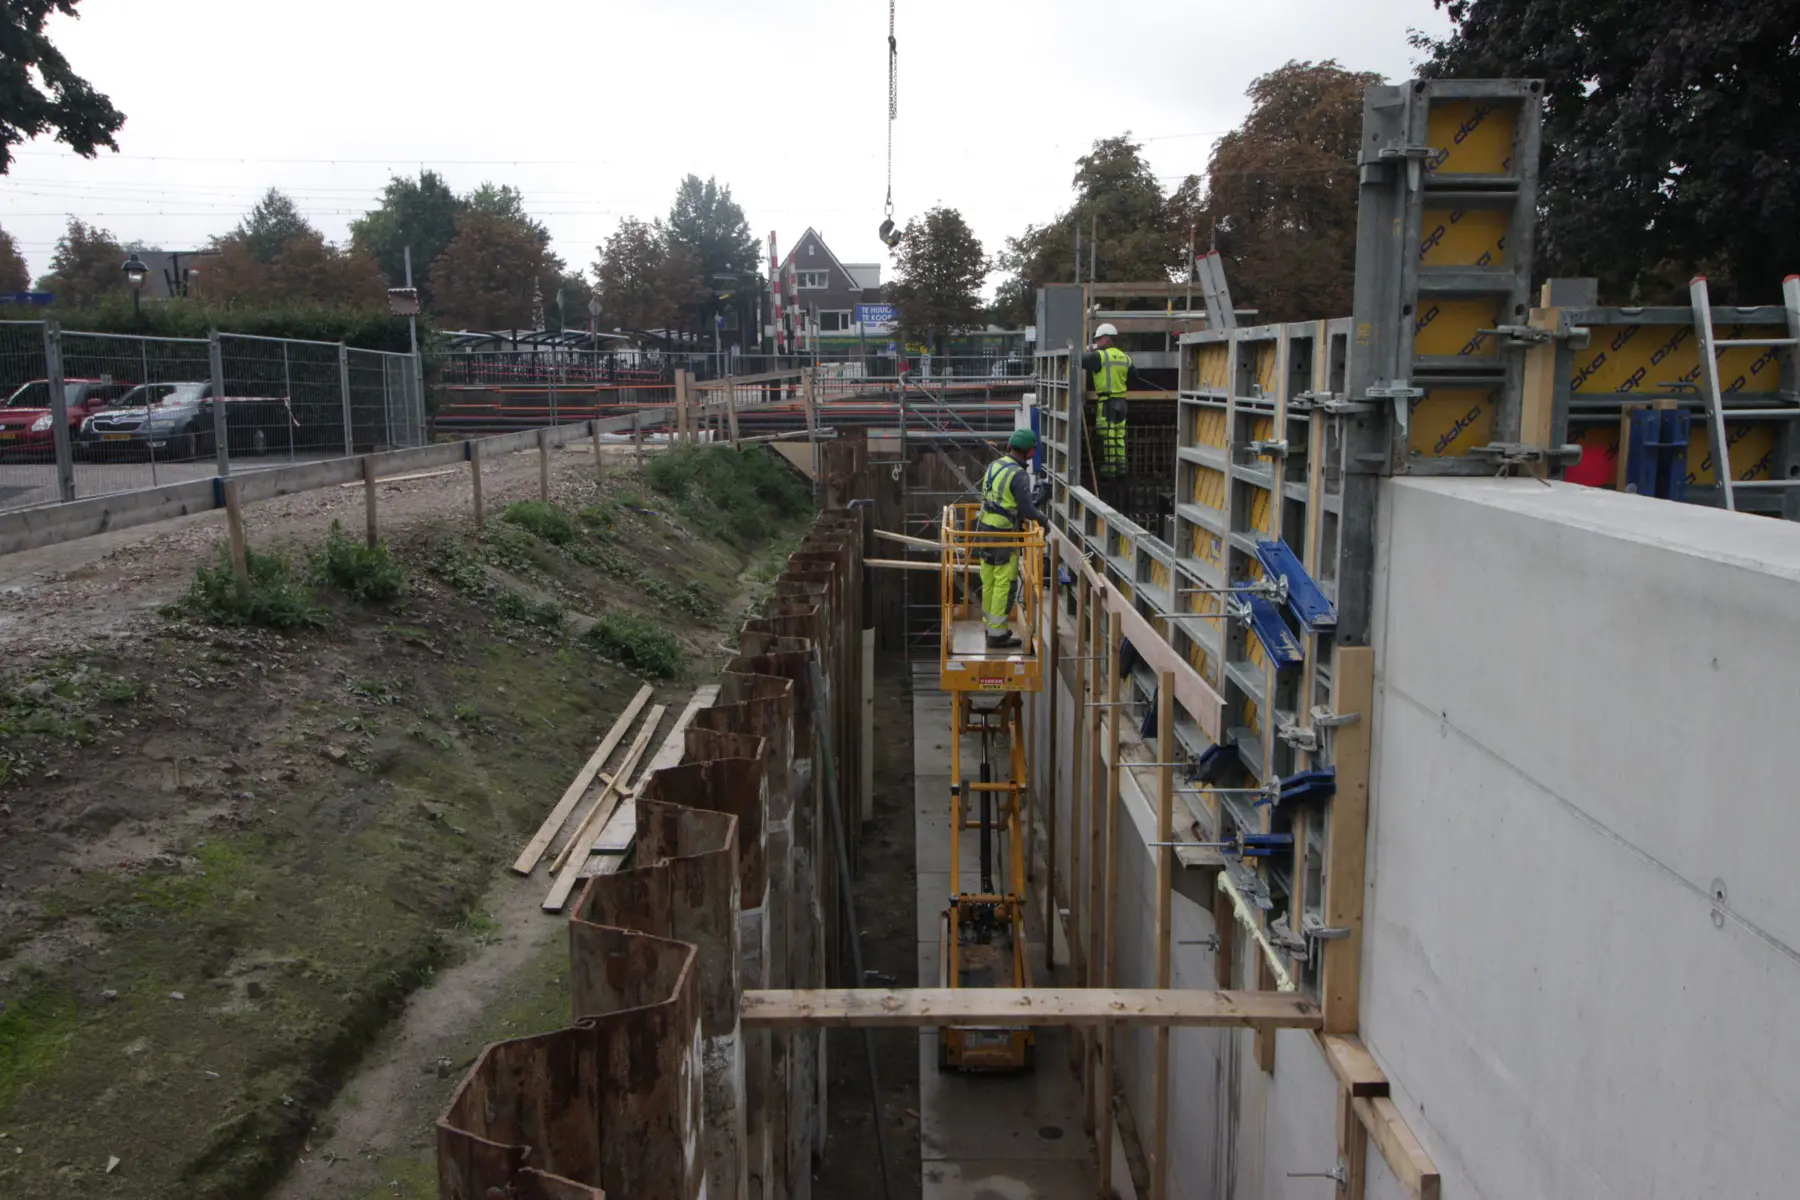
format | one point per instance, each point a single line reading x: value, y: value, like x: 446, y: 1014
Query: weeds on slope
x: 744, y: 497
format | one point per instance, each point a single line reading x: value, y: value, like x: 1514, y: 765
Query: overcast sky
x: 596, y: 108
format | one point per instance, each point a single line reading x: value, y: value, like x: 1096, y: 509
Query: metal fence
x: 561, y: 366
x: 140, y: 412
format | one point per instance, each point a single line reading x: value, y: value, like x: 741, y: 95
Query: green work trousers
x: 997, y: 580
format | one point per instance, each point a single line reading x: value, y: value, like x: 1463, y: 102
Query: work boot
x: 1001, y: 641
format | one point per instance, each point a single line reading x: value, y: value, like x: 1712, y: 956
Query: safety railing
x: 966, y: 662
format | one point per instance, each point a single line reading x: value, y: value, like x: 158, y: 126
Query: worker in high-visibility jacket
x: 1006, y: 504
x: 1110, y: 367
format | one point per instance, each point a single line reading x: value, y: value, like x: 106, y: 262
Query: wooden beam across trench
x: 924, y: 1007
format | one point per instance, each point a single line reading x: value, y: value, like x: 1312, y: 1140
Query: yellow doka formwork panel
x: 1452, y: 328
x: 1207, y: 488
x: 1212, y: 366
x: 1470, y: 137
x: 1449, y: 422
x: 1208, y: 547
x: 1648, y: 358
x: 1209, y: 427
x: 1464, y: 237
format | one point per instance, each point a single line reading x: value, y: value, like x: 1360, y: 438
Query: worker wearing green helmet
x: 1006, y: 504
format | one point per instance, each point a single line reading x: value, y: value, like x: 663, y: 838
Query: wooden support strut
x: 1109, y: 913
x: 923, y: 1008
x: 1165, y: 878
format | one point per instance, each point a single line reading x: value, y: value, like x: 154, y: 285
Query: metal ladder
x: 1709, y: 348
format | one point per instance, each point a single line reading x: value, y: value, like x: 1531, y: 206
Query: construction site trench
x: 256, y: 920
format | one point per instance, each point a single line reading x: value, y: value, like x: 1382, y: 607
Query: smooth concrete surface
x: 984, y: 1137
x: 1580, y: 970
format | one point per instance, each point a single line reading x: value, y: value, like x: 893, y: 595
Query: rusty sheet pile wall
x: 656, y: 1090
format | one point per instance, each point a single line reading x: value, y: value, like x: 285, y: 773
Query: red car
x: 25, y: 421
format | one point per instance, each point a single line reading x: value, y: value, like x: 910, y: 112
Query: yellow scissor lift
x: 982, y: 939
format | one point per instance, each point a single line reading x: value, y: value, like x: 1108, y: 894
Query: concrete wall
x: 1584, y: 718
x: 1585, y: 729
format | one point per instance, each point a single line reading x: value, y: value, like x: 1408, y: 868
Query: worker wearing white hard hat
x: 1110, y: 368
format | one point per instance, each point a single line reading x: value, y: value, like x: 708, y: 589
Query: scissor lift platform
x: 983, y: 933
x: 967, y: 663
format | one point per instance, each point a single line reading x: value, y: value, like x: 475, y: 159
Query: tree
x: 644, y: 280
x: 706, y: 220
x: 39, y: 93
x: 492, y: 273
x: 1669, y: 140
x: 1281, y: 193
x: 14, y: 276
x: 270, y: 225
x: 502, y: 200
x: 939, y: 268
x: 85, y: 267
x: 710, y: 225
x: 1117, y: 197
x: 307, y: 270
x: 418, y: 212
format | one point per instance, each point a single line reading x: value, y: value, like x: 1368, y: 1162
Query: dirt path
x: 376, y: 1139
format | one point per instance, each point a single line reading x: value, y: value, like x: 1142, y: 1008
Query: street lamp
x: 135, y: 274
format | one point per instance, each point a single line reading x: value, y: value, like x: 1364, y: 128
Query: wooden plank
x: 1197, y: 698
x: 905, y: 540
x: 1414, y: 1168
x: 1353, y: 1148
x: 1263, y: 1043
x: 1354, y: 1066
x: 475, y: 483
x: 234, y: 528
x: 573, y: 857
x: 745, y: 380
x: 1537, y: 396
x: 616, y: 836
x: 1077, y: 777
x: 371, y: 503
x: 598, y: 812
x: 1109, y: 906
x: 356, y: 483
x: 880, y: 1008
x: 540, y: 841
x: 1352, y: 691
x: 1165, y: 876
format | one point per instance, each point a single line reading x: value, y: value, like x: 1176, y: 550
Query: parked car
x: 26, y: 422
x: 175, y: 421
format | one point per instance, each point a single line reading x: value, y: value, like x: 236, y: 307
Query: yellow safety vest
x: 1109, y: 380
x: 999, y: 507
x: 1109, y: 383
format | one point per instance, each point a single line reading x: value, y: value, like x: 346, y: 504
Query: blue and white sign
x: 874, y: 314
x: 37, y: 299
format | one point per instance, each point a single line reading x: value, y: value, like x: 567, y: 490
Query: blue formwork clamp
x: 1656, y: 453
x: 1264, y: 845
x: 1271, y: 629
x: 1214, y: 762
x: 1305, y: 599
x: 1308, y: 786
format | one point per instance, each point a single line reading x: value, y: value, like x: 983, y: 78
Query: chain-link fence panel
x: 385, y: 408
x: 139, y: 411
x: 284, y: 399
x: 27, y: 443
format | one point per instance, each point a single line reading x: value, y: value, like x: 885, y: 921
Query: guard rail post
x: 215, y: 356
x: 59, y: 412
